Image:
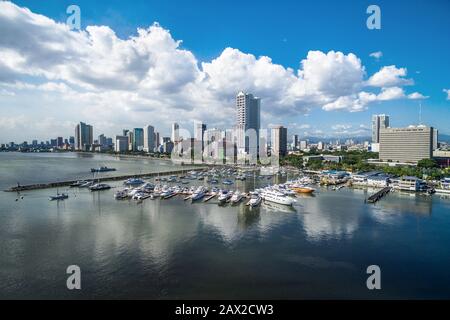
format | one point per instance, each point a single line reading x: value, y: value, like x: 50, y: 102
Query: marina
x: 131, y: 242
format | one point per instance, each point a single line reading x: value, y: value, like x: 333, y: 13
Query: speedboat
x: 99, y: 187
x: 237, y: 197
x: 255, y: 200
x: 59, y: 196
x: 134, y: 182
x: 277, y: 197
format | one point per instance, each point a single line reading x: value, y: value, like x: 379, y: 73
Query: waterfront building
x: 248, y: 109
x: 83, y: 136
x: 149, y: 138
x: 407, y: 183
x: 130, y: 136
x: 379, y: 122
x: 121, y: 143
x: 279, y: 140
x: 102, y: 140
x: 406, y: 145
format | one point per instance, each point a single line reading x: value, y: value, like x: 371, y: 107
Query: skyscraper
x: 279, y: 140
x: 138, y: 141
x: 83, y: 136
x: 175, y: 132
x: 149, y: 138
x: 121, y: 143
x: 378, y: 121
x: 248, y: 110
x: 295, y: 142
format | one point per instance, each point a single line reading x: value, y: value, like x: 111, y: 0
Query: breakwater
x: 57, y: 184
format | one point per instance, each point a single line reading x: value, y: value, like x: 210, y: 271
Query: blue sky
x: 414, y: 35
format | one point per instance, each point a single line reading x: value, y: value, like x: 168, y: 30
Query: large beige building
x: 406, y: 145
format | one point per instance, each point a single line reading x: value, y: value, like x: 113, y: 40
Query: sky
x: 319, y: 70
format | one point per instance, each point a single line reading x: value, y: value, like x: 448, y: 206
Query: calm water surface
x: 163, y: 249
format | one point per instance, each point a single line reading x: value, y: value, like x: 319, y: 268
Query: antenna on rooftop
x: 420, y: 113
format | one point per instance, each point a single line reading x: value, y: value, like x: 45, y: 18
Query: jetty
x: 378, y: 195
x: 28, y: 187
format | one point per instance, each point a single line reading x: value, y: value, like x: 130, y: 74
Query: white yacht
x: 277, y: 197
x: 237, y: 197
x: 255, y: 200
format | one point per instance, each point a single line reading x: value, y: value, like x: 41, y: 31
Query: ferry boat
x: 99, y: 187
x: 277, y: 197
x: 102, y: 169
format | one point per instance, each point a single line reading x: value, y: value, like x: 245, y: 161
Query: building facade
x: 84, y: 136
x: 379, y: 121
x: 248, y: 109
x: 279, y: 140
x: 406, y: 145
x: 149, y: 138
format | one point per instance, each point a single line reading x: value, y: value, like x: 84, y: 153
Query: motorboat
x: 99, y: 187
x: 121, y: 194
x: 198, y: 194
x: 236, y: 197
x: 87, y: 184
x: 227, y: 182
x: 59, y: 196
x: 224, y: 195
x: 134, y: 182
x: 255, y: 200
x: 78, y: 183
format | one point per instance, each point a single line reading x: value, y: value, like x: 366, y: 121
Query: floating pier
x: 378, y: 195
x: 19, y: 187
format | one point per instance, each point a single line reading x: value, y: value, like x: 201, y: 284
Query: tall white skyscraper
x: 248, y: 110
x: 149, y: 138
x: 378, y: 121
x: 175, y: 132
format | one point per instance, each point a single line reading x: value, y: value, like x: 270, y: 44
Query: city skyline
x: 40, y: 96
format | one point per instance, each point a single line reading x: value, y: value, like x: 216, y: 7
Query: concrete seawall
x: 114, y: 178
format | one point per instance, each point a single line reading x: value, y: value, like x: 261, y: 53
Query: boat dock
x: 378, y: 195
x: 48, y: 185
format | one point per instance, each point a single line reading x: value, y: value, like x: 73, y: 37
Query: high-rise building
x: 303, y: 145
x: 406, y: 145
x: 121, y: 143
x: 435, y: 139
x: 84, y: 136
x: 149, y: 138
x: 102, y: 140
x: 295, y: 142
x: 130, y: 136
x: 59, y: 142
x: 320, y: 145
x: 138, y: 144
x: 248, y: 110
x: 378, y: 121
x: 199, y: 131
x: 157, y: 139
x: 175, y: 132
x: 279, y: 140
